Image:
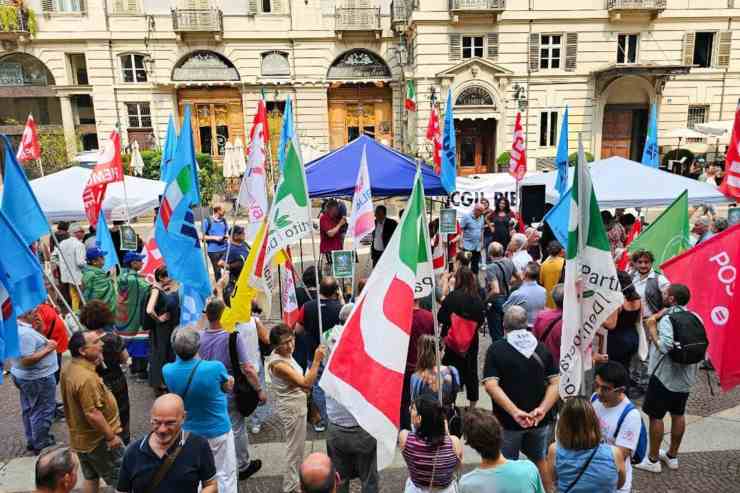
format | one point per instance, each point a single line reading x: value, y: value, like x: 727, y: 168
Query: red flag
x: 709, y: 270
x: 731, y: 184
x: 624, y: 260
x: 29, y: 147
x: 518, y: 155
x: 108, y: 169
x: 434, y: 134
x: 152, y: 259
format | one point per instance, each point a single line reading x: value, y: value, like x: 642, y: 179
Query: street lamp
x: 520, y: 96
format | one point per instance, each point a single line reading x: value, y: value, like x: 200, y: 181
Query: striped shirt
x: 423, y: 458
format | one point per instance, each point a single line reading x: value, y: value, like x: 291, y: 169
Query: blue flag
x: 19, y: 201
x: 105, y: 243
x: 168, y: 152
x: 561, y: 160
x: 21, y: 282
x: 192, y: 304
x: 557, y: 218
x: 650, y: 153
x: 185, y: 157
x: 287, y: 132
x: 448, y: 174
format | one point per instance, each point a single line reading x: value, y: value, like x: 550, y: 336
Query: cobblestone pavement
x: 715, y: 472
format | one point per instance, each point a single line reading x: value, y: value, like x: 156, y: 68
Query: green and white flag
x: 592, y: 290
x: 424, y: 269
x: 289, y: 219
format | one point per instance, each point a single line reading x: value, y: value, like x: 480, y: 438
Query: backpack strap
x: 627, y: 409
x: 593, y: 398
x: 549, y: 328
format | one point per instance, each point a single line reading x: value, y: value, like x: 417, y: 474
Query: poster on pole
x: 342, y: 263
x: 129, y: 241
x: 447, y: 221
x: 733, y: 215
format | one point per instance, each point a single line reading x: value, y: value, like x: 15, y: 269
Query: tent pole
x: 61, y: 297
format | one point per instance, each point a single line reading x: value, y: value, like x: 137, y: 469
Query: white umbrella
x: 228, y: 163
x: 240, y: 162
x: 685, y: 133
x: 137, y: 164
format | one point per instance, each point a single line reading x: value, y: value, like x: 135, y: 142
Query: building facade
x: 83, y: 67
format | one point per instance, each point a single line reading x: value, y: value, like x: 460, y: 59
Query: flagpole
x: 61, y: 297
x: 41, y: 166
x: 66, y: 264
x: 318, y: 277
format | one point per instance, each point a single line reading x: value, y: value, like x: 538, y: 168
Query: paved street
x: 710, y: 462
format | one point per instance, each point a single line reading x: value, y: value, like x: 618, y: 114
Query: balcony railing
x: 357, y: 19
x: 655, y: 5
x: 477, y: 5
x: 14, y: 22
x: 400, y: 11
x: 197, y: 20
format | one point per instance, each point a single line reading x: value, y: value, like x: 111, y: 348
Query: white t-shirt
x: 248, y: 333
x: 629, y: 433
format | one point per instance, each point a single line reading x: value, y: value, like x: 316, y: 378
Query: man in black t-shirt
x: 521, y: 377
x: 193, y: 467
x: 308, y: 326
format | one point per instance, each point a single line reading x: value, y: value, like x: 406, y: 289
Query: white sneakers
x: 655, y: 467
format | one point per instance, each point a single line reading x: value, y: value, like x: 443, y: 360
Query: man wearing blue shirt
x: 216, y: 234
x: 472, y: 231
x: 33, y: 374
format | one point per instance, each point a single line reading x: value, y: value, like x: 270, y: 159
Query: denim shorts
x: 532, y: 443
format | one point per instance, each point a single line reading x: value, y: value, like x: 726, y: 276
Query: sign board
x: 733, y: 215
x: 448, y: 221
x: 490, y: 186
x: 342, y: 263
x: 129, y: 242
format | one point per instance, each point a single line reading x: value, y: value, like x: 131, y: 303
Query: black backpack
x: 689, y: 338
x: 246, y: 398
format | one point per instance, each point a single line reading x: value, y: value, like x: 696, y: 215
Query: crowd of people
x: 211, y: 386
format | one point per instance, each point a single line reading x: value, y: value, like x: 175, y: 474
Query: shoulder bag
x: 245, y: 396
x: 583, y: 469
x: 549, y: 328
x: 167, y: 464
x: 190, y: 379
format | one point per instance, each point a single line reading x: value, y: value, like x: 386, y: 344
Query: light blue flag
x: 185, y: 157
x: 168, y: 152
x: 105, y: 243
x: 561, y: 160
x: 650, y: 155
x: 448, y: 175
x: 192, y: 304
x: 21, y: 283
x: 287, y: 132
x: 19, y: 202
x: 557, y: 218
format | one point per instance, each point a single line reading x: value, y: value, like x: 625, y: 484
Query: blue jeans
x: 38, y: 404
x: 317, y: 394
x: 264, y: 411
x: 531, y: 442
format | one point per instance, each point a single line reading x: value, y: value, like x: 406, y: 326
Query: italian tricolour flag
x: 365, y: 370
x: 592, y: 290
x: 174, y: 194
x: 410, y: 103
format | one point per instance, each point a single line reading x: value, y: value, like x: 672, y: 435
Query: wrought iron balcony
x: 15, y: 23
x: 636, y: 5
x: 357, y: 19
x: 197, y: 21
x: 475, y: 6
x: 400, y: 11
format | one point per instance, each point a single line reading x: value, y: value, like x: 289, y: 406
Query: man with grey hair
x: 702, y: 229
x: 548, y: 325
x: 517, y: 251
x: 70, y: 258
x: 205, y: 403
x: 530, y: 295
x: 56, y: 470
x: 521, y: 377
x: 500, y: 275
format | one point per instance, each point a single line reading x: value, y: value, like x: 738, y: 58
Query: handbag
x: 245, y: 396
x: 461, y: 334
x: 166, y: 464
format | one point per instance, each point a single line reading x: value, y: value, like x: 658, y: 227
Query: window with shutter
x: 571, y: 51
x: 689, y: 40
x: 455, y: 42
x: 723, y: 49
x: 493, y: 46
x: 252, y: 7
x: 47, y: 5
x: 534, y: 52
x: 125, y: 6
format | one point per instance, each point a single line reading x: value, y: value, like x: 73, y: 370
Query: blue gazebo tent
x: 391, y: 173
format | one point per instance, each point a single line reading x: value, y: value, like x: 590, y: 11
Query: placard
x: 448, y: 221
x: 733, y: 215
x: 342, y: 263
x: 128, y: 238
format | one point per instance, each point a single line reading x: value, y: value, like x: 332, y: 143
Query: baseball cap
x: 132, y: 257
x: 94, y: 252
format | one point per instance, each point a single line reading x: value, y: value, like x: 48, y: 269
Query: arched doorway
x: 475, y: 130
x: 360, y: 99
x: 626, y: 111
x: 217, y: 116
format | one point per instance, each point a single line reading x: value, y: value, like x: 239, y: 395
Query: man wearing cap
x: 133, y: 292
x: 97, y: 284
x: 70, y: 260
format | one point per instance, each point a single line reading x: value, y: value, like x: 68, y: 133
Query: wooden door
x: 384, y: 123
x: 471, y: 146
x: 217, y: 118
x: 616, y: 133
x: 337, y: 125
x: 359, y: 110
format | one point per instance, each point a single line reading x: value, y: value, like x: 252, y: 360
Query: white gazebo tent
x: 60, y: 195
x: 619, y: 182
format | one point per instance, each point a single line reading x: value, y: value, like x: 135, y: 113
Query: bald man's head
x: 167, y: 416
x: 318, y: 474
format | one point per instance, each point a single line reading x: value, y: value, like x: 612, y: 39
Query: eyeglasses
x: 606, y: 388
x: 167, y: 424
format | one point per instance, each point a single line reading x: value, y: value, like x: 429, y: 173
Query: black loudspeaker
x: 532, y: 203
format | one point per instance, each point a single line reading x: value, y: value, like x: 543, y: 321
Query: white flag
x: 253, y: 191
x: 362, y: 217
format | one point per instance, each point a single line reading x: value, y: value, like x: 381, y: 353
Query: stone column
x: 68, y: 123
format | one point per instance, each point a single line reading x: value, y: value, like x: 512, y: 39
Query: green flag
x: 668, y: 235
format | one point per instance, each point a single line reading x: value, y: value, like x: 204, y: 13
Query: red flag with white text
x: 731, y: 184
x: 518, y: 154
x: 108, y: 169
x: 287, y: 292
x: 29, y: 147
x: 709, y: 270
x: 434, y: 134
